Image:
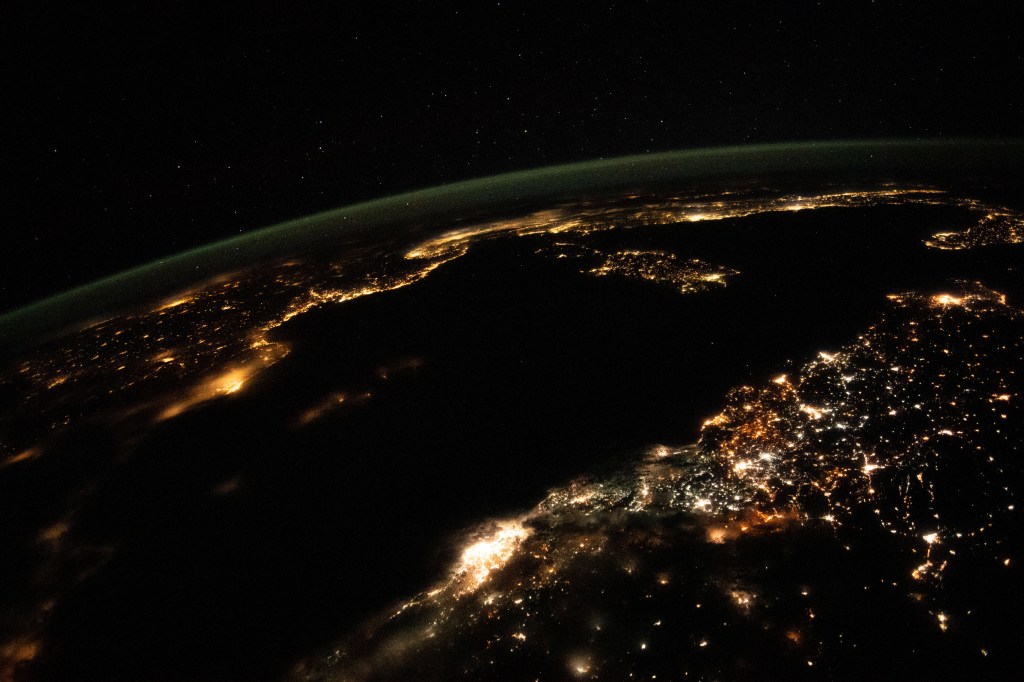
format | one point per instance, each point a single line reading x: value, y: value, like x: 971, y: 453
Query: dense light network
x: 907, y: 431
x: 863, y: 432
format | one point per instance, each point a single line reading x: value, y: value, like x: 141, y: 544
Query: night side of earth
x: 749, y: 413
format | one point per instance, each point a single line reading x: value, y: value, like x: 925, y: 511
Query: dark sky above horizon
x: 143, y: 129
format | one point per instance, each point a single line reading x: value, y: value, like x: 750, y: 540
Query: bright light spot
x: 921, y: 571
x: 931, y: 538
x: 718, y: 535
x: 583, y: 498
x: 946, y: 300
x: 813, y: 412
x: 742, y: 598
x: 23, y: 456
x: 661, y: 451
x: 175, y: 303
x: 580, y: 664
x: 716, y: 420
x: 232, y: 381
x: 228, y: 383
x: 490, y: 553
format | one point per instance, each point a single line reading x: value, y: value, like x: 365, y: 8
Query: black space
x: 143, y: 129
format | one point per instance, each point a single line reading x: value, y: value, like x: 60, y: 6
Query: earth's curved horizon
x: 699, y: 167
x: 737, y: 413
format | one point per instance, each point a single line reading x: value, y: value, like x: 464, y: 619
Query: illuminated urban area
x: 878, y: 435
x: 883, y: 434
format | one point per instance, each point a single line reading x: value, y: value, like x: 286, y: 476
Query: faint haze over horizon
x: 142, y: 132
